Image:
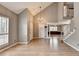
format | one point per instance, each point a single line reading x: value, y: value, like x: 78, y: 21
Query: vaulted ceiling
x: 34, y: 7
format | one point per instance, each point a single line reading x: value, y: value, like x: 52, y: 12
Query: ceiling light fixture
x: 40, y: 18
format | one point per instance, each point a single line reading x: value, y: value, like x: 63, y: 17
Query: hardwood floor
x: 41, y: 47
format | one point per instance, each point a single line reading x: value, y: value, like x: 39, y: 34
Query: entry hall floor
x: 41, y: 47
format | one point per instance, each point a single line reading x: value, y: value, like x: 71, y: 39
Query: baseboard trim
x: 72, y: 46
x: 36, y: 38
x: 71, y: 33
x: 41, y: 37
x: 8, y: 47
x: 24, y: 42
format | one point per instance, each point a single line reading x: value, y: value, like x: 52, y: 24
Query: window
x: 4, y: 30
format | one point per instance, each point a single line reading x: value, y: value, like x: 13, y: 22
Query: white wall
x: 50, y: 14
x: 60, y: 11
x: 30, y: 25
x: 74, y: 39
x: 25, y: 26
x: 12, y: 25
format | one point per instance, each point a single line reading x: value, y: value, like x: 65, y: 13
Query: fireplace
x: 55, y: 33
x: 52, y: 30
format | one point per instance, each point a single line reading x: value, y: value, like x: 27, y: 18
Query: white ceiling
x: 18, y: 7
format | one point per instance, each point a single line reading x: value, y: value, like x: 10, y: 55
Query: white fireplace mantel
x: 64, y: 22
x: 43, y: 32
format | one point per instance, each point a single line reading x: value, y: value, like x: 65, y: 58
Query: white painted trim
x: 37, y: 38
x: 8, y: 47
x: 14, y: 45
x: 72, y: 46
x: 41, y: 37
x: 66, y: 22
x: 70, y: 34
x: 24, y: 42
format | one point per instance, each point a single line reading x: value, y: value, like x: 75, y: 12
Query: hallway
x: 41, y: 47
